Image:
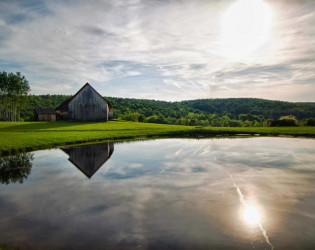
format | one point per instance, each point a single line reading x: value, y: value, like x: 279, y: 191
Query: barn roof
x: 64, y: 104
x: 45, y: 111
x: 89, y: 158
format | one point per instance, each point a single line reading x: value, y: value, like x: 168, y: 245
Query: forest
x: 230, y: 112
x: 17, y: 105
x: 14, y: 89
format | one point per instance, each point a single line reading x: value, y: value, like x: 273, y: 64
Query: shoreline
x: 18, y: 137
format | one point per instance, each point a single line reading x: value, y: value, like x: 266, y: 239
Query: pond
x: 224, y: 193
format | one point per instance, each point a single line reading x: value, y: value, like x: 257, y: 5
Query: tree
x: 310, y: 122
x: 14, y: 89
x: 15, y: 169
x: 141, y: 118
x: 285, y: 121
x: 152, y: 119
x: 134, y: 117
x: 235, y: 123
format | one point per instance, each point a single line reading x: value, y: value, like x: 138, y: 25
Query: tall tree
x: 14, y: 89
x: 15, y: 169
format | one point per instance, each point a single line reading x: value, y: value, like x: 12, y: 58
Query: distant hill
x: 213, y: 112
x: 268, y: 108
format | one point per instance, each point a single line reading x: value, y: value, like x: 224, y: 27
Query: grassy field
x: 27, y: 136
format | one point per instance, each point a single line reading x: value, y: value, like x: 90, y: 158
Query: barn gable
x: 89, y: 158
x: 86, y: 105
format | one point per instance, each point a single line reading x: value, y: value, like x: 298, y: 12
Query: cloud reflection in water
x: 164, y: 194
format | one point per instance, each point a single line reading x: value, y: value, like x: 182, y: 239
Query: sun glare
x: 251, y: 215
x: 245, y: 27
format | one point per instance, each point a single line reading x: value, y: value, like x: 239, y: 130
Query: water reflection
x: 167, y: 194
x: 15, y: 169
x: 89, y: 158
x: 251, y: 215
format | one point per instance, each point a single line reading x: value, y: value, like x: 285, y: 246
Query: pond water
x: 222, y: 193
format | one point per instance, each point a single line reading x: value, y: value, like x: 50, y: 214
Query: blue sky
x: 164, y: 50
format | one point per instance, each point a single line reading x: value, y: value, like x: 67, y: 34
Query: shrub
x: 235, y: 123
x: 285, y: 121
x: 131, y: 117
x: 310, y: 122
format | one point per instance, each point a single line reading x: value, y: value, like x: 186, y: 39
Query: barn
x: 86, y: 105
x: 89, y: 158
x: 45, y: 114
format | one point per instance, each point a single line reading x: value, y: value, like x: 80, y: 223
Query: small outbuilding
x: 45, y: 114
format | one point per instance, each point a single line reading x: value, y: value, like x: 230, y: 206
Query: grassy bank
x: 27, y: 136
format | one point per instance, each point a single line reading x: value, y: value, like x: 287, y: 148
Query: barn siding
x: 62, y: 115
x: 89, y: 158
x: 88, y: 106
x: 46, y: 117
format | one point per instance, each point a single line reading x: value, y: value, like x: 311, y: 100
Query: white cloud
x: 69, y: 43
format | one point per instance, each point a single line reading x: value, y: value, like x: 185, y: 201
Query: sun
x: 251, y: 215
x: 245, y: 26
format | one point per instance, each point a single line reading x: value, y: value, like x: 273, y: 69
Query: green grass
x: 27, y: 136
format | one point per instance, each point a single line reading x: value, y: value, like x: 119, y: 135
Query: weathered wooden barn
x: 90, y: 158
x: 45, y: 114
x: 86, y: 105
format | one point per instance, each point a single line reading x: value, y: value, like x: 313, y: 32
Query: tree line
x: 230, y: 112
x: 13, y: 95
x: 239, y: 112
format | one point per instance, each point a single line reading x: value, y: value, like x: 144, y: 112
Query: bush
x: 310, y: 122
x: 134, y: 117
x: 152, y: 119
x: 235, y: 123
x: 285, y: 121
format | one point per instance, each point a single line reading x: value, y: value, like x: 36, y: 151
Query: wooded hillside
x: 204, y: 112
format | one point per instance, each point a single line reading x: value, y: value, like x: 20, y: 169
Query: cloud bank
x: 169, y: 50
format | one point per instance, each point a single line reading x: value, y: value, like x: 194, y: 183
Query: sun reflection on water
x: 251, y: 215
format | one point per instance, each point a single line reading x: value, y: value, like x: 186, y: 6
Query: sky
x: 163, y: 49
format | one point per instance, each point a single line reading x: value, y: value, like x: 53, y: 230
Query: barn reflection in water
x: 90, y: 158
